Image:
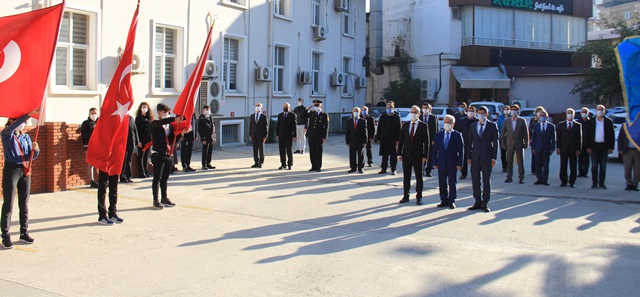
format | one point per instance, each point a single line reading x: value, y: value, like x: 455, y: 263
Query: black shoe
x: 360, y: 171
x: 26, y: 239
x: 572, y: 185
x: 452, y: 205
x: 370, y: 164
x: 211, y: 167
x: 504, y: 170
x: 419, y: 201
x: 383, y: 171
x: 157, y: 204
x: 635, y: 188
x: 508, y: 180
x: 289, y: 167
x: 167, y: 203
x: 463, y: 177
x: 93, y: 184
x: 351, y: 170
x: 428, y: 175
x: 545, y: 183
x: 259, y: 165
x: 393, y: 172
x: 318, y: 170
x: 6, y: 242
x: 563, y: 185
x: 537, y: 182
x: 521, y: 181
x: 297, y: 152
x: 603, y: 186
x: 442, y: 204
x: 486, y: 208
x: 185, y: 169
x: 594, y: 186
x: 404, y: 200
x: 190, y: 169
x: 475, y: 207
x: 628, y: 188
x: 312, y: 169
x: 282, y: 167
x: 123, y: 180
x: 116, y: 219
x: 204, y: 168
x: 256, y: 165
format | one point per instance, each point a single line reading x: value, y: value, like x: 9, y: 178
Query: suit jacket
x: 389, y: 127
x: 286, y: 127
x: 161, y: 143
x: 371, y: 126
x: 451, y: 156
x: 432, y: 124
x: 543, y: 141
x: 417, y: 148
x: 623, y: 140
x: 258, y: 130
x: 86, y: 130
x: 518, y: 139
x: 206, y: 128
x: 609, y: 137
x: 569, y: 142
x: 463, y: 126
x: 585, y: 131
x: 359, y: 135
x: 318, y: 125
x: 132, y: 138
x: 142, y: 125
x: 483, y: 147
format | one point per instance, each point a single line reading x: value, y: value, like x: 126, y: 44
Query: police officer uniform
x: 317, y: 133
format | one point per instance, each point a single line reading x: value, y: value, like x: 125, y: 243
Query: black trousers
x: 143, y: 161
x: 186, y: 148
x: 503, y: 158
x: 104, y: 181
x: 465, y: 166
x: 13, y: 179
x: 583, y: 162
x: 162, y: 165
x: 284, y: 146
x: 448, y: 177
x: 429, y: 165
x: 369, y: 153
x: 126, y: 165
x: 599, y: 155
x: 315, y: 152
x: 542, y: 165
x: 389, y: 155
x: 356, y: 154
x: 479, y: 168
x: 258, y: 150
x: 416, y: 165
x: 533, y: 163
x: 568, y: 158
x: 207, y: 150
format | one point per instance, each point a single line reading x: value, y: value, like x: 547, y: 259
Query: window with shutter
x: 71, y: 61
x: 164, y: 58
x: 230, y: 66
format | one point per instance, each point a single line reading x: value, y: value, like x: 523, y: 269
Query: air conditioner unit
x: 340, y: 5
x: 264, y: 74
x: 428, y: 89
x: 214, y: 89
x: 137, y: 66
x: 209, y: 68
x: 361, y: 82
x: 337, y: 79
x: 304, y: 78
x: 319, y: 33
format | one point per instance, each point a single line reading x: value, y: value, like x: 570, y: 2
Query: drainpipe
x: 435, y: 96
x: 270, y: 57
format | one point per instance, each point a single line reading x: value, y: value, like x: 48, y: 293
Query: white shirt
x: 513, y: 124
x: 600, y: 130
x: 481, y: 127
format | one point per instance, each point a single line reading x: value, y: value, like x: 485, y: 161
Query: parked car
x: 618, y: 120
x: 527, y: 114
x: 615, y: 109
x: 404, y: 114
x: 440, y: 112
x: 493, y: 107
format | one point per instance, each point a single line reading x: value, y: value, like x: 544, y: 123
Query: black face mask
x: 285, y: 109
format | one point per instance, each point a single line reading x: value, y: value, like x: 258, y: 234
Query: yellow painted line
x: 142, y: 200
x: 25, y: 249
x: 197, y: 207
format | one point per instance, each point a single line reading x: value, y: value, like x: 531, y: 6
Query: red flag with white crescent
x: 27, y: 44
x: 109, y: 139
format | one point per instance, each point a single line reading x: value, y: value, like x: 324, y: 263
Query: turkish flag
x: 28, y: 44
x: 186, y: 102
x: 109, y: 139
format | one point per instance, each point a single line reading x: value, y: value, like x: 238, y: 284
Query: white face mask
x: 93, y: 117
x: 258, y: 108
x: 584, y: 115
x: 570, y: 117
x: 166, y: 115
x: 539, y: 114
x: 514, y: 113
x: 506, y: 111
x: 471, y: 114
x: 482, y: 117
x: 144, y: 110
x: 355, y: 114
x: 207, y: 112
x: 21, y: 127
x: 600, y: 113
x: 461, y: 109
x: 447, y: 127
x: 425, y: 111
x: 318, y: 108
x: 299, y: 103
x: 414, y: 117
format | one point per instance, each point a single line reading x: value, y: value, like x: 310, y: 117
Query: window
x: 627, y: 15
x: 279, y: 67
x: 72, y: 53
x: 281, y: 7
x: 316, y: 12
x: 316, y: 64
x: 230, y: 67
x: 164, y: 58
x: 347, y: 19
x: 347, y: 89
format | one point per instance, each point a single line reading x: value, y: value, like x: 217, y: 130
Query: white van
x: 493, y: 107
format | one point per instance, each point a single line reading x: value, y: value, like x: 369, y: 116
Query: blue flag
x: 628, y: 54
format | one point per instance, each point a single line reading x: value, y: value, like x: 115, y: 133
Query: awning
x: 480, y: 77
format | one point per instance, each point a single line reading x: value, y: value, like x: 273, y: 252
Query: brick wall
x: 61, y: 164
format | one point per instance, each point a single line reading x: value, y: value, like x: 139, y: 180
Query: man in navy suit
x: 482, y: 152
x: 258, y: 127
x: 413, y: 150
x: 543, y: 143
x: 448, y: 156
x: 286, y: 135
x: 356, y: 139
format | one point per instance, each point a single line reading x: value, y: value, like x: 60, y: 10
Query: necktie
x: 412, y: 131
x: 285, y: 115
x: 481, y: 129
x: 257, y: 117
x: 446, y: 140
x: 570, y: 126
x: 355, y: 123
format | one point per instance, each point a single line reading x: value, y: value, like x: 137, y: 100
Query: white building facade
x: 323, y: 40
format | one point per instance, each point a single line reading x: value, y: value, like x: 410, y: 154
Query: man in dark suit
x: 569, y: 141
x: 258, y: 127
x: 207, y: 131
x: 413, y: 151
x: 601, y: 141
x: 515, y: 138
x: 286, y: 134
x: 389, y: 127
x: 463, y: 125
x: 371, y: 131
x: 543, y: 143
x: 482, y: 153
x: 631, y: 159
x: 356, y: 139
x: 585, y: 158
x: 186, y: 145
x: 448, y: 156
x: 317, y: 133
x: 133, y: 141
x: 432, y: 125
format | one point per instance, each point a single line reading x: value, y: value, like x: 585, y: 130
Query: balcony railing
x: 520, y: 44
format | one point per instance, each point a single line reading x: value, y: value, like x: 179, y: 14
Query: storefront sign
x: 552, y: 6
